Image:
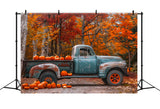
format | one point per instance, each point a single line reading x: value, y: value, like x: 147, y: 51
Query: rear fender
x: 38, y: 69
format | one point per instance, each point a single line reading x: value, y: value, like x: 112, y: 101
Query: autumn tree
x: 55, y: 34
x: 124, y: 34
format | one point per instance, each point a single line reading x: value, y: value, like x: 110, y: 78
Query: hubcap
x: 115, y: 78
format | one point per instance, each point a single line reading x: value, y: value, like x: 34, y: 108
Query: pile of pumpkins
x: 41, y: 85
x: 36, y: 57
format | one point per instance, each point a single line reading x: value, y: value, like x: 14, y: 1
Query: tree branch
x: 90, y: 21
x: 89, y: 29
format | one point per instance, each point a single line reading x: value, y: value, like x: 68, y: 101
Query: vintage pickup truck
x: 84, y: 64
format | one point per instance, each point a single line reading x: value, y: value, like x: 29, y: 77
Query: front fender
x: 37, y: 69
x: 106, y: 67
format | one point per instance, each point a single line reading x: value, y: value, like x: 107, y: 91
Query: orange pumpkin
x: 69, y: 86
x: 25, y: 84
x: 36, y: 57
x: 32, y: 86
x: 64, y: 73
x: 35, y: 88
x: 64, y: 85
x: 48, y: 58
x: 61, y: 58
x: 68, y: 57
x: 26, y: 87
x: 49, y: 86
x: 44, y: 83
x: 56, y: 57
x: 40, y: 86
x: 69, y: 74
x: 36, y: 82
x: 53, y: 85
x: 52, y: 58
x: 58, y: 85
x: 42, y: 58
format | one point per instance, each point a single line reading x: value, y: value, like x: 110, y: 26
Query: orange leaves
x: 108, y: 34
x: 126, y: 32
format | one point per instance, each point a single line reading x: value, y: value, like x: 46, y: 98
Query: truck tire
x: 48, y: 76
x: 114, y: 78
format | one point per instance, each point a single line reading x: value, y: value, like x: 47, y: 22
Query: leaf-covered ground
x: 88, y: 85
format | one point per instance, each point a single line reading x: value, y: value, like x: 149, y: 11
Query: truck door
x: 87, y: 61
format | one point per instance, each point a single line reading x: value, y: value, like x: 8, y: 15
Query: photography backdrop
x: 151, y: 62
x: 109, y: 34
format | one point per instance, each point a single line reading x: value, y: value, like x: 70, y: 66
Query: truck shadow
x: 88, y: 84
x: 76, y: 85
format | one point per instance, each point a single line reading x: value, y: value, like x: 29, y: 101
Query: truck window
x: 86, y: 52
x: 83, y: 52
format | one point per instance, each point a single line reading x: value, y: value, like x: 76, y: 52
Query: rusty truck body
x: 84, y: 64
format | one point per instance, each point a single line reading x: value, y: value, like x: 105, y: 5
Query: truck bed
x: 62, y: 64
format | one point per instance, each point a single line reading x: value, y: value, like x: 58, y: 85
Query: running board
x: 78, y: 76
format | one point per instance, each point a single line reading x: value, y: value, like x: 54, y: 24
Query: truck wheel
x: 48, y: 76
x: 114, y: 78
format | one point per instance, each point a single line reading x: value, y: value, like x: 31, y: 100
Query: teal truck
x: 84, y: 64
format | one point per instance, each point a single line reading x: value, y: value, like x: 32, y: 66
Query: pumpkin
x: 48, y: 58
x: 69, y: 86
x: 58, y: 85
x: 53, y: 85
x: 25, y: 84
x: 42, y: 58
x: 49, y: 86
x: 56, y: 57
x: 36, y: 57
x: 26, y: 87
x: 52, y: 58
x: 40, y: 86
x: 64, y: 73
x: 44, y: 83
x: 69, y: 74
x: 35, y: 88
x: 68, y: 57
x: 64, y: 85
x: 61, y: 58
x: 36, y: 82
x: 32, y: 86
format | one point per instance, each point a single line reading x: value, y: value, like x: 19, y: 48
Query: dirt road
x: 88, y: 85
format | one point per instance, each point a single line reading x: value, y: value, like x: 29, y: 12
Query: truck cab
x: 84, y: 64
x: 85, y: 60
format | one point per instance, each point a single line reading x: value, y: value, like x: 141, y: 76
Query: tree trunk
x: 43, y: 50
x: 34, y: 42
x: 52, y: 47
x: 23, y: 37
x: 95, y: 32
x: 129, y: 59
x: 56, y: 47
x: 43, y: 47
x: 59, y: 39
x: 82, y: 17
x: 47, y: 46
